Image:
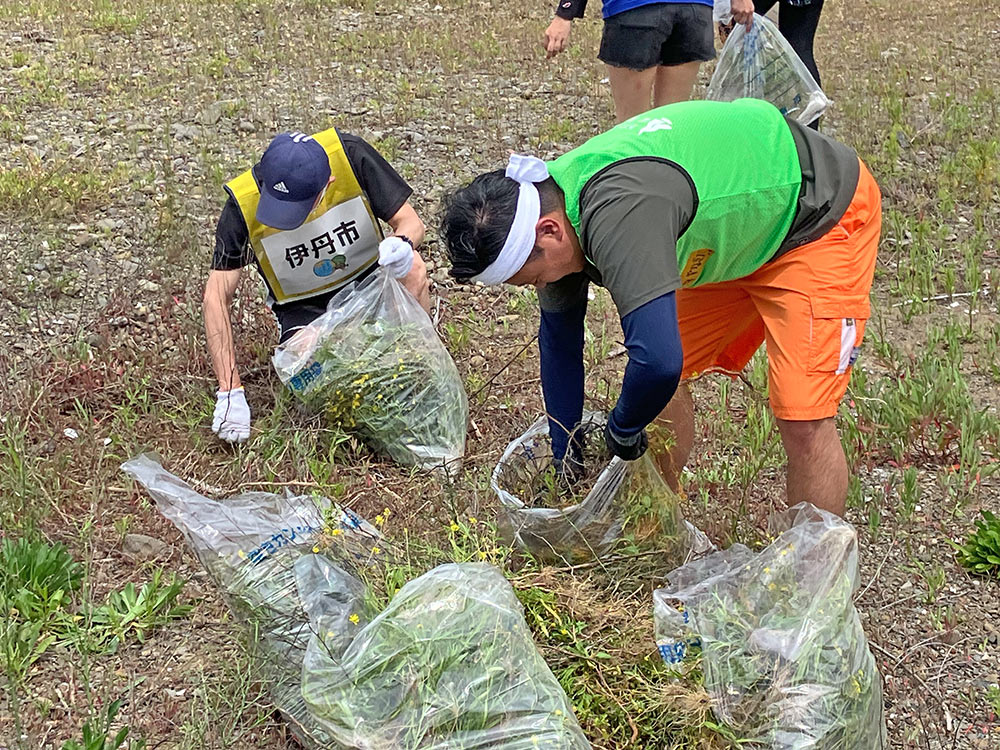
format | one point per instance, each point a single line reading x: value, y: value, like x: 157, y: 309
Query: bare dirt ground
x: 120, y: 122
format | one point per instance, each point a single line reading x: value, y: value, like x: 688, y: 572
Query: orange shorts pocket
x: 837, y: 328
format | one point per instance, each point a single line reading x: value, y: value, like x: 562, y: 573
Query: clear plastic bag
x: 761, y: 64
x: 449, y: 665
x: 722, y: 11
x: 372, y: 363
x: 628, y: 496
x: 258, y: 549
x: 781, y: 646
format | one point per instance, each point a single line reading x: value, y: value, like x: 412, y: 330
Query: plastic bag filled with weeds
x: 449, y: 665
x: 781, y: 646
x: 373, y: 364
x: 761, y: 64
x: 258, y: 548
x: 574, y: 522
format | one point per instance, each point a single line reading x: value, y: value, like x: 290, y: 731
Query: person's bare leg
x: 817, y: 467
x: 678, y: 419
x: 632, y: 90
x: 674, y: 83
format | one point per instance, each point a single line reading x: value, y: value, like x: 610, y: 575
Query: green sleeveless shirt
x: 745, y: 201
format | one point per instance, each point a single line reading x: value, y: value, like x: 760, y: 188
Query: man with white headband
x: 715, y: 227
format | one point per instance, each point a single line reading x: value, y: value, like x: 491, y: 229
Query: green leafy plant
x: 36, y: 584
x: 37, y: 575
x: 96, y: 732
x: 21, y: 645
x: 133, y: 611
x: 981, y: 551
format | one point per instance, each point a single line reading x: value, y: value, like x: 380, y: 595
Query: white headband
x: 526, y: 170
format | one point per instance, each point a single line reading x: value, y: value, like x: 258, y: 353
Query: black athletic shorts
x: 294, y: 317
x: 658, y: 34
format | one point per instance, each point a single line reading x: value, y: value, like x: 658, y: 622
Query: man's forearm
x: 412, y: 229
x: 219, y: 334
x: 406, y: 222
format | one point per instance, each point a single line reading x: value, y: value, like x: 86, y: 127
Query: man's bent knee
x: 806, y: 435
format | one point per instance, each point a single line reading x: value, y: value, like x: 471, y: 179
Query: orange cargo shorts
x: 810, y: 306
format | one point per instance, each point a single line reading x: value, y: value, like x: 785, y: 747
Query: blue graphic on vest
x: 323, y: 268
x: 327, y: 266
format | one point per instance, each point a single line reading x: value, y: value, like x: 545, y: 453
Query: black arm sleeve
x: 570, y: 9
x: 386, y: 190
x: 232, y: 240
x: 655, y: 363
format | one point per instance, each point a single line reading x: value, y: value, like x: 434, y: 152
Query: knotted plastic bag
x: 258, y: 548
x: 449, y: 665
x: 781, y: 646
x: 761, y: 64
x: 627, y: 498
x: 373, y: 364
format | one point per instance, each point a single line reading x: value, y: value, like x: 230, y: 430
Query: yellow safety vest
x: 338, y: 240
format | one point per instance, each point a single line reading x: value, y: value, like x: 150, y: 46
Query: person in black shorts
x: 653, y: 50
x: 307, y: 216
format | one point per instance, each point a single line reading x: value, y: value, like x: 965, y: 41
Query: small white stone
x: 71, y: 433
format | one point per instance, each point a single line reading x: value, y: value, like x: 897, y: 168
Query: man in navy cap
x: 307, y: 215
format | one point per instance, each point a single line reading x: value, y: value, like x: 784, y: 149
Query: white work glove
x: 231, y: 420
x: 395, y: 255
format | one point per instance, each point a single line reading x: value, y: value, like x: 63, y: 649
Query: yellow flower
x: 376, y: 550
x: 242, y: 554
x: 338, y: 532
x: 454, y: 526
x: 482, y: 555
x: 316, y: 548
x: 354, y: 619
x: 473, y: 520
x: 386, y: 512
x: 379, y: 519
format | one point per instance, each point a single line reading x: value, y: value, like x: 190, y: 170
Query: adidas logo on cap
x: 280, y: 187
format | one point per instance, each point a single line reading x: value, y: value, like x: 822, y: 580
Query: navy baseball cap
x: 293, y: 172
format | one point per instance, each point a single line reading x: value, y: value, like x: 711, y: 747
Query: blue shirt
x: 574, y: 8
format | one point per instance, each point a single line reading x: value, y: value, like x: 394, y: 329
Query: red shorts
x: 810, y: 306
